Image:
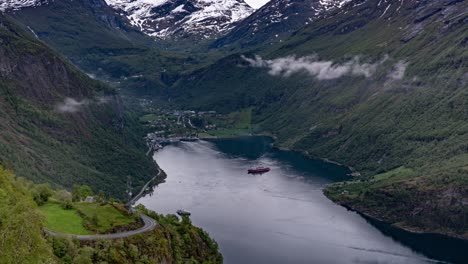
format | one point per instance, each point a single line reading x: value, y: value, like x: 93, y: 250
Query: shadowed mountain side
x: 61, y: 127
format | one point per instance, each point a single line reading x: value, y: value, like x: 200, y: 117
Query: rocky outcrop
x: 180, y: 19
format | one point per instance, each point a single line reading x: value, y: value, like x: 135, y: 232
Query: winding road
x: 134, y: 199
x: 150, y: 223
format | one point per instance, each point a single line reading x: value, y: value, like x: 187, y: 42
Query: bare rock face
x: 31, y: 71
x: 18, y: 4
x: 175, y: 19
x: 278, y: 19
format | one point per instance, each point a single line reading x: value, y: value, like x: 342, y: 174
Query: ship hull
x: 258, y: 171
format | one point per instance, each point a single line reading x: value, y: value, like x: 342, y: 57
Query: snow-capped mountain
x: 278, y: 19
x: 18, y: 4
x: 183, y: 18
x: 328, y: 4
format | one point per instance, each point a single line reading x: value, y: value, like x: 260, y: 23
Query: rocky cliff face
x: 18, y: 4
x: 176, y: 19
x: 32, y: 76
x: 164, y: 19
x: 277, y: 20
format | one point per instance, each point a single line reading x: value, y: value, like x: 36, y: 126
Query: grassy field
x: 107, y: 216
x: 241, y: 119
x: 354, y: 189
x: 84, y: 218
x: 235, y: 124
x: 63, y: 221
x: 148, y: 118
x: 226, y: 133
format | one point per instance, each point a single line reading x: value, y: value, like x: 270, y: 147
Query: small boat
x: 258, y: 170
x: 183, y: 212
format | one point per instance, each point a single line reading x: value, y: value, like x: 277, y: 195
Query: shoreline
x: 353, y: 174
x: 409, y: 230
x: 159, y: 178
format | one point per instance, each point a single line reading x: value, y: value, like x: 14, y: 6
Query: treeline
x: 21, y: 239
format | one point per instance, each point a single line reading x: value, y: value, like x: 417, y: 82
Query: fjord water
x: 281, y: 216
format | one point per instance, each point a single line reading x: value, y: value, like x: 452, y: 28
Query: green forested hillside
x: 20, y: 224
x: 382, y: 88
x: 173, y: 241
x: 59, y: 126
x: 22, y: 240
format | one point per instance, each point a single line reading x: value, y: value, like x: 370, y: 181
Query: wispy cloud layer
x: 70, y: 105
x: 398, y: 71
x: 320, y: 69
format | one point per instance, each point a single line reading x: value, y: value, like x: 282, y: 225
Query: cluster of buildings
x: 175, y: 125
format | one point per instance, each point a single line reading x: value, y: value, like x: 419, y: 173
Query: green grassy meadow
x: 84, y: 218
x: 237, y: 123
x: 148, y: 118
x: 63, y: 221
x: 108, y: 217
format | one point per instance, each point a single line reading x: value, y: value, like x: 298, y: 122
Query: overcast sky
x: 256, y: 3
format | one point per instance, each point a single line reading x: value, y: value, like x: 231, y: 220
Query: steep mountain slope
x: 103, y: 43
x: 18, y: 4
x: 277, y: 20
x: 59, y: 126
x: 179, y: 19
x: 381, y: 86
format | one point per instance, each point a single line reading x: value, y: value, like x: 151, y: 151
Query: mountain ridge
x: 175, y: 19
x: 18, y: 4
x: 102, y: 43
x: 276, y: 20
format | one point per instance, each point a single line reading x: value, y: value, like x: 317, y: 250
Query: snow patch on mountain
x: 256, y: 3
x: 136, y: 11
x: 283, y: 11
x: 182, y: 18
x: 277, y: 11
x: 328, y: 4
x: 18, y: 4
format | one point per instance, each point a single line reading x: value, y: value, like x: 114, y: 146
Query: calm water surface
x: 281, y: 216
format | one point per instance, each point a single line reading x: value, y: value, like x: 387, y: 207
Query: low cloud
x: 398, y: 71
x: 322, y: 70
x: 104, y: 99
x: 70, y: 105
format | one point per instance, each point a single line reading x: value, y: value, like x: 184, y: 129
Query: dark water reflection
x: 281, y: 216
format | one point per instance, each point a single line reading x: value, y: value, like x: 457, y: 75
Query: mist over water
x: 278, y: 217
